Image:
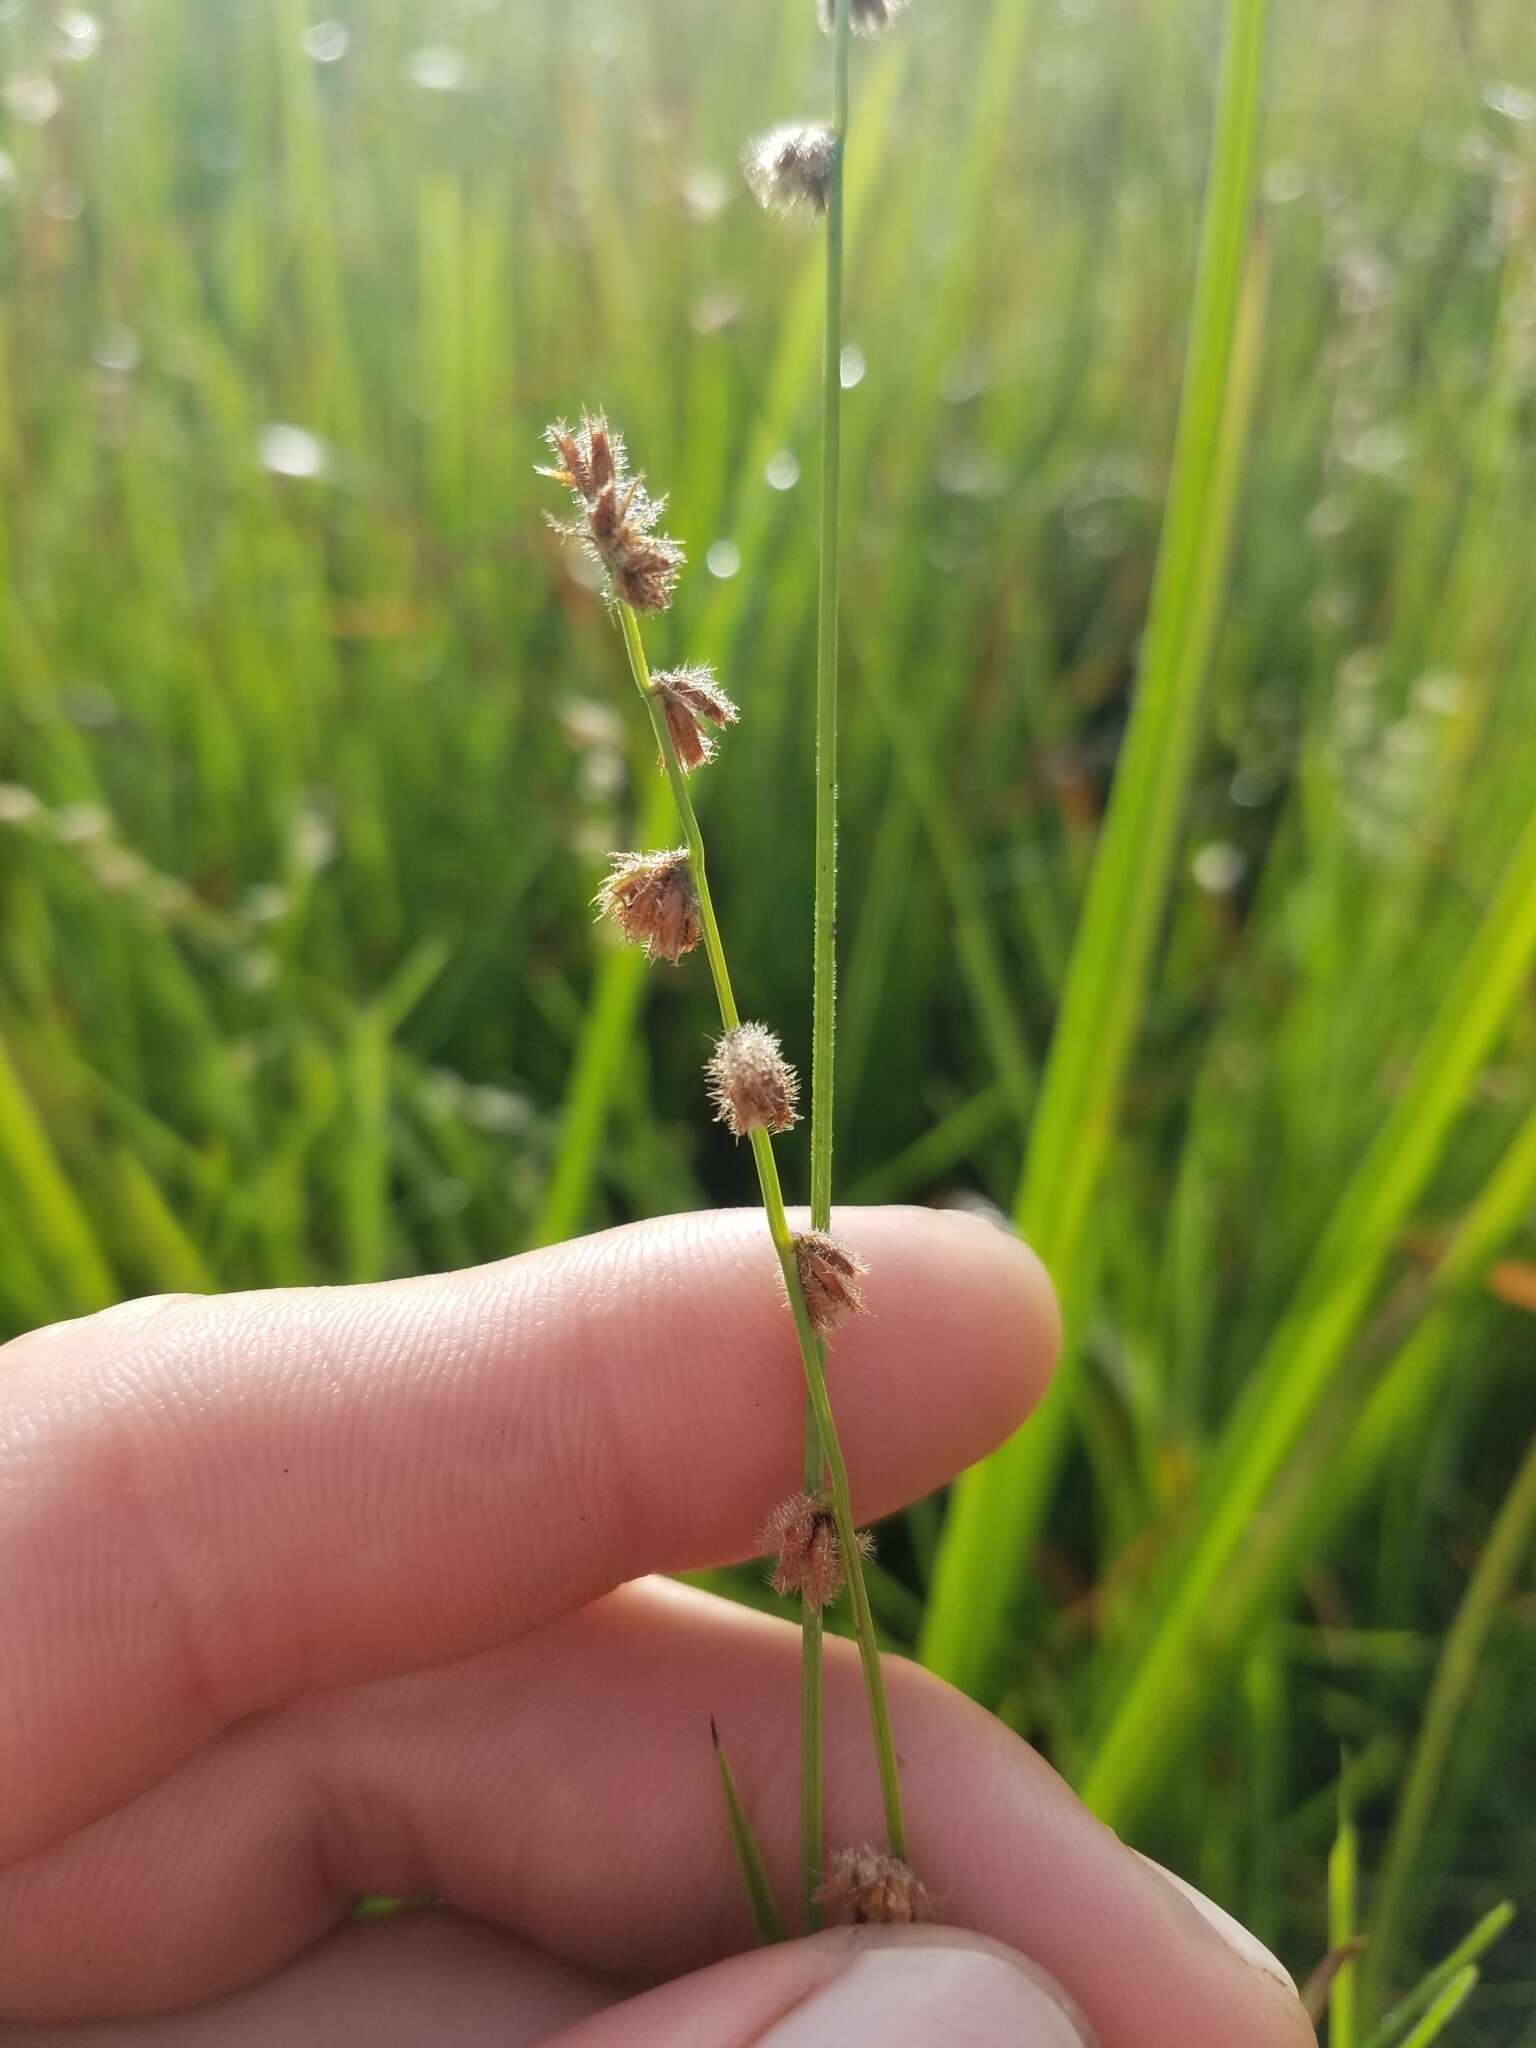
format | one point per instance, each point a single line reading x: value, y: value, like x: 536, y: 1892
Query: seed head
x: 652, y: 900
x: 862, y: 1887
x: 753, y: 1086
x: 802, y: 1532
x: 692, y: 699
x: 790, y: 168
x: 616, y: 516
x: 829, y: 1278
x: 869, y: 16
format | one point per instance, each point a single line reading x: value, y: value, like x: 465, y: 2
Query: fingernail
x: 908, y: 1986
x: 1232, y: 1932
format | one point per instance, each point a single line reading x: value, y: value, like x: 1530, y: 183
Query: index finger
x: 209, y: 1506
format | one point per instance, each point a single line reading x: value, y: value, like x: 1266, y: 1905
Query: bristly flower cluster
x: 616, y: 516
x: 691, y: 699
x: 791, y: 168
x: 802, y: 1532
x: 869, y: 16
x: 752, y: 1085
x: 652, y: 899
x: 864, y: 1887
x: 829, y: 1279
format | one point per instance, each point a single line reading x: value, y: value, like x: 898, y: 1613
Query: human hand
x: 311, y: 1594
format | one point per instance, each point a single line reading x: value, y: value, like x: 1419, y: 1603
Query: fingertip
x: 969, y: 1297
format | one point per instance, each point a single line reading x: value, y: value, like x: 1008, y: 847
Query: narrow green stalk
x: 812, y: 1353
x: 824, y: 995
x: 1401, y: 1896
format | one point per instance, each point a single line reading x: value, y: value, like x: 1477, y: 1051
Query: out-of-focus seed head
x: 829, y: 1278
x: 752, y: 1085
x: 869, y: 16
x: 808, y: 1554
x: 652, y: 899
x: 864, y: 1887
x: 693, y: 700
x: 616, y: 516
x: 789, y: 169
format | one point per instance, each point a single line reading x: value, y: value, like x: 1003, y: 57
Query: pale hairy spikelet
x: 829, y: 1278
x: 864, y: 1887
x: 752, y: 1085
x: 692, y: 701
x: 808, y: 1553
x: 652, y: 899
x: 869, y: 17
x: 790, y: 168
x: 616, y: 516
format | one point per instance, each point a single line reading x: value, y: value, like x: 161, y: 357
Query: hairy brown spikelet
x: 865, y: 1887
x: 691, y: 698
x: 868, y: 16
x: 652, y: 899
x: 753, y: 1086
x: 829, y: 1277
x: 616, y: 516
x: 802, y: 1532
x: 791, y: 167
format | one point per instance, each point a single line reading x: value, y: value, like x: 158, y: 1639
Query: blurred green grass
x: 312, y: 740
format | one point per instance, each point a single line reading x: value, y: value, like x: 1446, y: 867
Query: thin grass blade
x: 749, y: 1857
x: 997, y: 1509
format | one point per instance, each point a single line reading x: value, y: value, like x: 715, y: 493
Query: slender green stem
x: 812, y: 1353
x: 824, y: 995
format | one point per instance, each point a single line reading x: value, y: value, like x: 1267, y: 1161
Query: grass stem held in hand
x: 812, y: 1351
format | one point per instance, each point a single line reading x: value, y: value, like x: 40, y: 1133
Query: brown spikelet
x: 790, y: 168
x: 829, y: 1277
x: 616, y: 517
x: 652, y: 899
x: 808, y: 1554
x: 692, y: 699
x: 864, y: 1887
x: 868, y: 17
x: 753, y: 1086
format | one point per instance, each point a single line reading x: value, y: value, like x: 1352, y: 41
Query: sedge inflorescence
x: 865, y: 1887
x: 868, y: 17
x: 831, y: 1279
x: 752, y: 1085
x: 662, y: 902
x: 652, y: 899
x: 807, y: 1550
x: 790, y: 169
x: 692, y: 701
x: 615, y: 515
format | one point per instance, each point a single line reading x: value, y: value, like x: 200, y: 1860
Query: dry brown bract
x: 616, y: 516
x: 752, y: 1085
x: 862, y: 1887
x: 802, y: 1532
x: 692, y: 699
x: 652, y: 900
x: 829, y: 1279
x: 790, y: 168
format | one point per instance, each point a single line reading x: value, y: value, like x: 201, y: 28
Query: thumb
x: 857, y: 1987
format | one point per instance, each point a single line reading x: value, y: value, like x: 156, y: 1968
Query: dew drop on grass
x: 851, y: 366
x: 78, y: 36
x: 290, y: 451
x: 30, y: 96
x: 723, y: 558
x: 325, y: 41
x: 438, y: 67
x: 783, y: 469
x: 116, y: 348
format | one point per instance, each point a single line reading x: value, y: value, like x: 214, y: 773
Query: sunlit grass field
x: 313, y: 738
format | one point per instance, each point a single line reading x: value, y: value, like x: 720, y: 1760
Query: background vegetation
x: 312, y: 739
